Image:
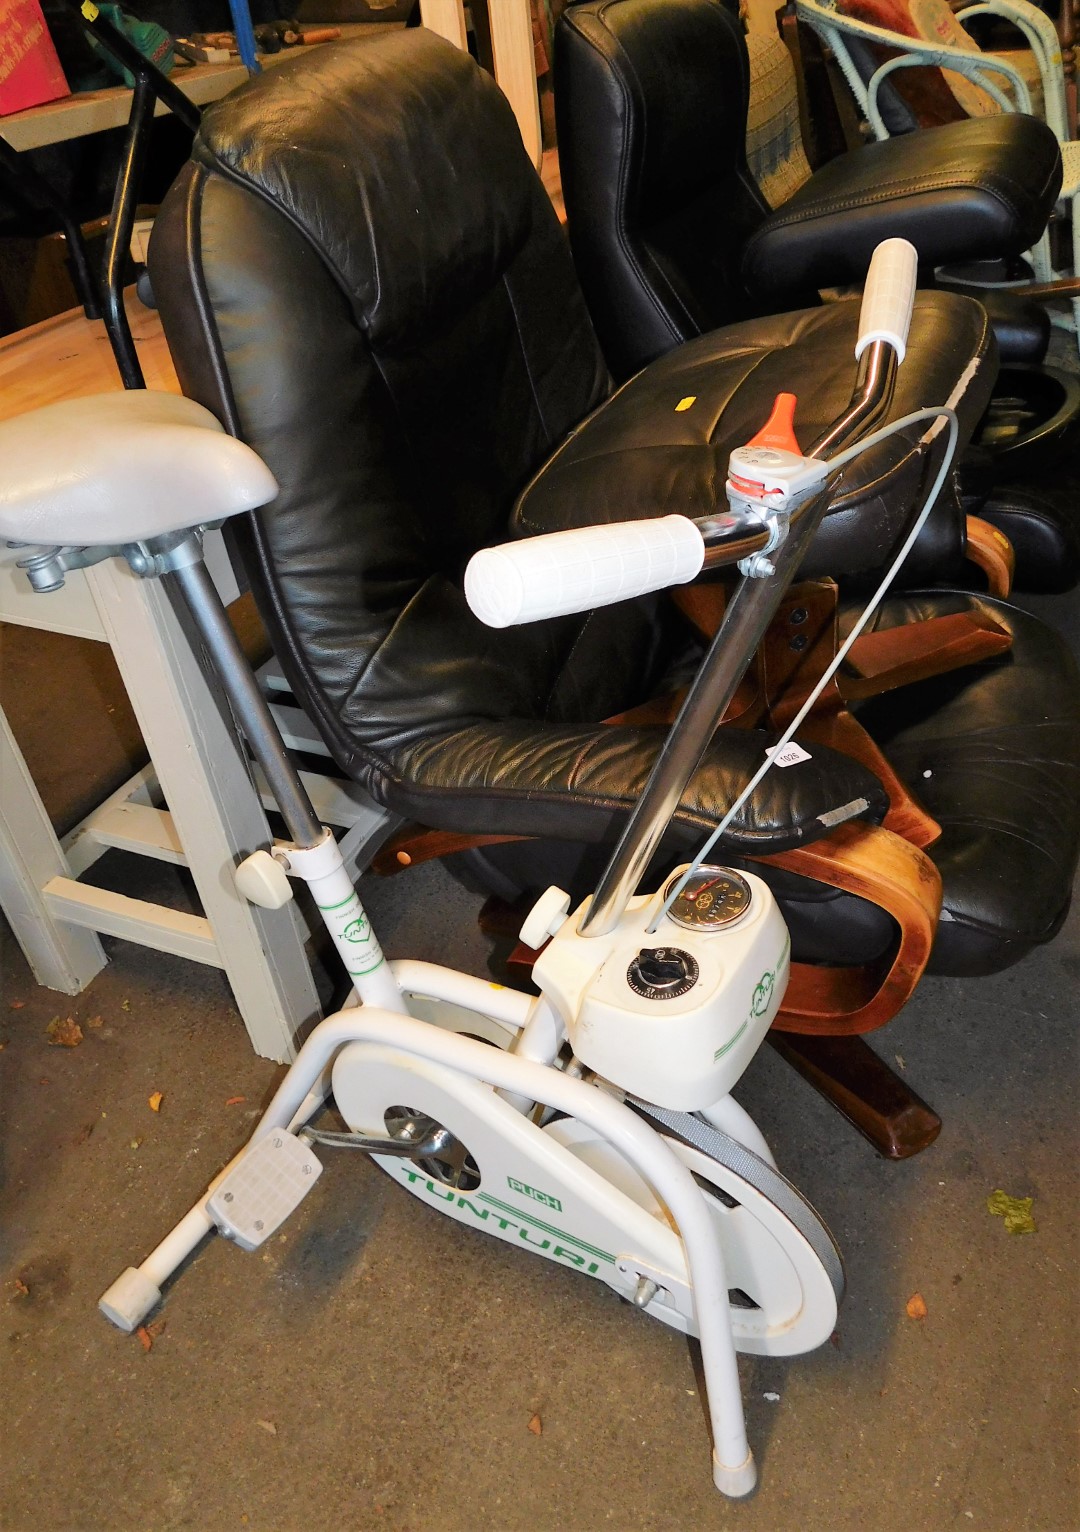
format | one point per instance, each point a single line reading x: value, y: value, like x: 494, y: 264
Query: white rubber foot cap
x: 128, y: 1301
x: 735, y: 1482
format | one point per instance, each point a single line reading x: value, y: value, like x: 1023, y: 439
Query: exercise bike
x: 592, y: 1123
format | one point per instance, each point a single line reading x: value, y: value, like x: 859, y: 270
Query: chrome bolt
x: 645, y: 1292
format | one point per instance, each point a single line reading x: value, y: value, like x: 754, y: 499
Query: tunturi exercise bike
x: 592, y: 1123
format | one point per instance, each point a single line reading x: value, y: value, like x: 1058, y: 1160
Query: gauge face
x: 713, y: 898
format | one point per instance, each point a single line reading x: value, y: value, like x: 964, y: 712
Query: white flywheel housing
x: 564, y: 1193
x: 785, y: 1277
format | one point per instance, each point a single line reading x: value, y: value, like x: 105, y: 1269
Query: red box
x: 30, y: 71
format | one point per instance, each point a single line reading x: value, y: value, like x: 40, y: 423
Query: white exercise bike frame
x: 616, y: 1087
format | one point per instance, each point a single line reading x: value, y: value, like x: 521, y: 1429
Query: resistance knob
x: 662, y: 973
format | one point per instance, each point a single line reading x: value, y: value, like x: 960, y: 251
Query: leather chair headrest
x: 663, y: 73
x: 371, y: 152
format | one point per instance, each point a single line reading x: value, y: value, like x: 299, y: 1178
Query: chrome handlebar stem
x: 729, y: 539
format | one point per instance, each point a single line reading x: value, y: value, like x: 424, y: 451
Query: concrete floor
x: 376, y: 1367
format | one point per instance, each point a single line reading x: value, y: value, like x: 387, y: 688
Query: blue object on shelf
x: 245, y: 35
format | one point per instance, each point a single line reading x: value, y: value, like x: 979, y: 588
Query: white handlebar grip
x: 888, y: 296
x: 577, y: 570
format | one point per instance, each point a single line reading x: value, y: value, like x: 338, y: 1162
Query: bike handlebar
x: 558, y: 573
x: 889, y: 296
x: 577, y: 570
x: 536, y: 576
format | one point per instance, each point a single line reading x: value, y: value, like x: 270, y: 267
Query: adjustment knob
x: 263, y: 881
x: 662, y: 973
x: 545, y: 917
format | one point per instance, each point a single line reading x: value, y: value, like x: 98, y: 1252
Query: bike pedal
x: 262, y: 1189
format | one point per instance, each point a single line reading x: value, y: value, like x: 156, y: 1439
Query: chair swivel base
x: 862, y: 1087
x: 1032, y: 420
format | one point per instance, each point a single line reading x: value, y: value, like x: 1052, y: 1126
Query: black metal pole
x: 30, y: 184
x: 118, y: 239
x: 151, y: 86
x: 248, y: 703
x: 136, y: 63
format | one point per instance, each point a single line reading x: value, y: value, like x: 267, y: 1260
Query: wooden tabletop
x: 69, y: 357
x: 92, y: 111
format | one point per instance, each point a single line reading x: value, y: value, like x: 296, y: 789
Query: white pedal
x: 263, y: 1188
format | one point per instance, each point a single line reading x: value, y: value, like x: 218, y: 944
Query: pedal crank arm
x: 436, y: 1140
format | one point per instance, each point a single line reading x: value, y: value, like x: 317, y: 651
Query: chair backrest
x: 360, y: 273
x: 651, y: 108
x: 933, y: 96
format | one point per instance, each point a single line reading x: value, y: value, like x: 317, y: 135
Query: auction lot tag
x: 790, y: 755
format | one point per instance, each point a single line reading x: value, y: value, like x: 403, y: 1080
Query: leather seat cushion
x: 825, y: 925
x: 993, y: 753
x: 1039, y: 512
x: 639, y: 456
x: 982, y: 187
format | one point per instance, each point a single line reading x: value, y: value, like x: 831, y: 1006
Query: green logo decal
x: 357, y: 930
x: 510, y: 1223
x: 760, y: 1000
x: 763, y: 990
x: 530, y: 1191
x: 763, y: 993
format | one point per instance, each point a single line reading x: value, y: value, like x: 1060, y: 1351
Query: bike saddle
x: 122, y: 468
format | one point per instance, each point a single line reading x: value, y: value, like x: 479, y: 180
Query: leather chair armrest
x: 524, y: 779
x: 965, y: 191
x: 891, y: 873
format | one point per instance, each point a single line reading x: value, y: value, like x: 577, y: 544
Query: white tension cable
x: 771, y: 755
x: 574, y: 571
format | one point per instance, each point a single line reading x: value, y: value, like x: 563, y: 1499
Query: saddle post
x: 247, y: 701
x: 312, y: 854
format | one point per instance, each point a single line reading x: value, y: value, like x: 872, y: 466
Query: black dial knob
x: 662, y: 973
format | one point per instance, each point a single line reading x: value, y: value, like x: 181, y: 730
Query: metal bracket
x: 164, y: 555
x: 775, y: 520
x: 46, y: 568
x: 436, y: 1140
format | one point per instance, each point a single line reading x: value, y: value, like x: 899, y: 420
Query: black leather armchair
x: 360, y: 273
x: 668, y: 235
x: 672, y: 238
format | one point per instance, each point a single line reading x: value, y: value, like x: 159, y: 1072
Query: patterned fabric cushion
x: 774, y: 148
x: 934, y: 22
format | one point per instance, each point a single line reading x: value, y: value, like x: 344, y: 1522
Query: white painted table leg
x: 447, y: 18
x: 515, y: 60
x: 62, y: 956
x: 515, y: 68
x: 214, y: 806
